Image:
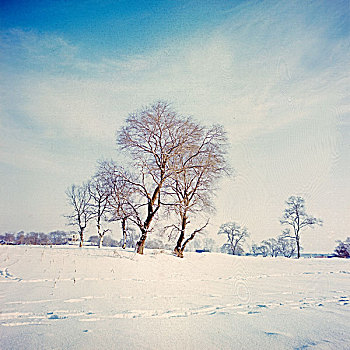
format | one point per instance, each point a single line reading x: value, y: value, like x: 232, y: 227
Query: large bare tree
x: 152, y: 137
x: 79, y: 198
x: 192, y: 186
x: 296, y: 217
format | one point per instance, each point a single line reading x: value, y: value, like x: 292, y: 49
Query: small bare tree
x: 261, y: 249
x: 296, y: 217
x: 79, y: 198
x: 272, y: 246
x: 99, y: 205
x: 152, y: 137
x: 286, y: 244
x: 236, y: 236
x: 121, y: 192
x: 342, y: 250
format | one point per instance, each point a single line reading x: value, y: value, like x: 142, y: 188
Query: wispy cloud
x: 254, y: 79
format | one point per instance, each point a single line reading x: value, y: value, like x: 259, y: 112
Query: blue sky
x: 274, y: 73
x: 117, y: 27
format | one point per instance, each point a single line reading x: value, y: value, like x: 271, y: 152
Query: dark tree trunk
x: 124, y: 232
x: 178, y: 250
x: 99, y: 233
x: 181, y: 255
x: 141, y: 243
x: 150, y: 215
x: 81, y: 237
x: 234, y: 248
x: 298, y: 248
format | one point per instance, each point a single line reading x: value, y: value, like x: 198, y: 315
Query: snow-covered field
x: 71, y: 298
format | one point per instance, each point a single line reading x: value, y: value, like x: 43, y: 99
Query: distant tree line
x: 37, y: 238
x: 284, y: 245
x: 58, y: 238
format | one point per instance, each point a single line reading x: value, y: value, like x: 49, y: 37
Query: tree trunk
x: 99, y: 233
x: 177, y: 250
x: 298, y: 247
x: 189, y: 239
x: 141, y: 243
x: 150, y: 214
x: 81, y: 238
x: 124, y: 232
x: 185, y: 243
x: 180, y: 253
x: 100, y: 241
x: 144, y: 229
x: 234, y: 248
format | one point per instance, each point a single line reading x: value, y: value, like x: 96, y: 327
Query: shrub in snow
x: 342, y: 250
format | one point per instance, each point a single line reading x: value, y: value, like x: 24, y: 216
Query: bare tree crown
x: 236, y: 235
x: 295, y: 216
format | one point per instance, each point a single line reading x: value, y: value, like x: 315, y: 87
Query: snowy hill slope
x: 71, y: 298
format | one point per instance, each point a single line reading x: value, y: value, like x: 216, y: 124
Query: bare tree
x: 272, y: 246
x: 283, y: 245
x: 342, y: 250
x: 236, y: 236
x: 99, y: 205
x: 193, y: 185
x: 261, y: 249
x: 79, y: 198
x: 152, y: 137
x: 286, y: 244
x: 226, y: 249
x: 296, y: 217
x: 123, y: 195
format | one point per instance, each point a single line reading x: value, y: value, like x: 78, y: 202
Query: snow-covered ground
x: 71, y: 298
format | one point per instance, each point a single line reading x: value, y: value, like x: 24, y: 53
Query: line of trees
x: 37, y: 238
x: 58, y: 238
x: 287, y: 244
x: 284, y: 245
x: 175, y: 164
x: 106, y: 198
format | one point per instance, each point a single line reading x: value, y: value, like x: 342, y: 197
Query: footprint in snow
x: 52, y: 316
x: 271, y: 334
x: 6, y: 274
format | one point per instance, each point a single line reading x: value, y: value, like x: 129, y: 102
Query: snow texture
x: 71, y: 298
